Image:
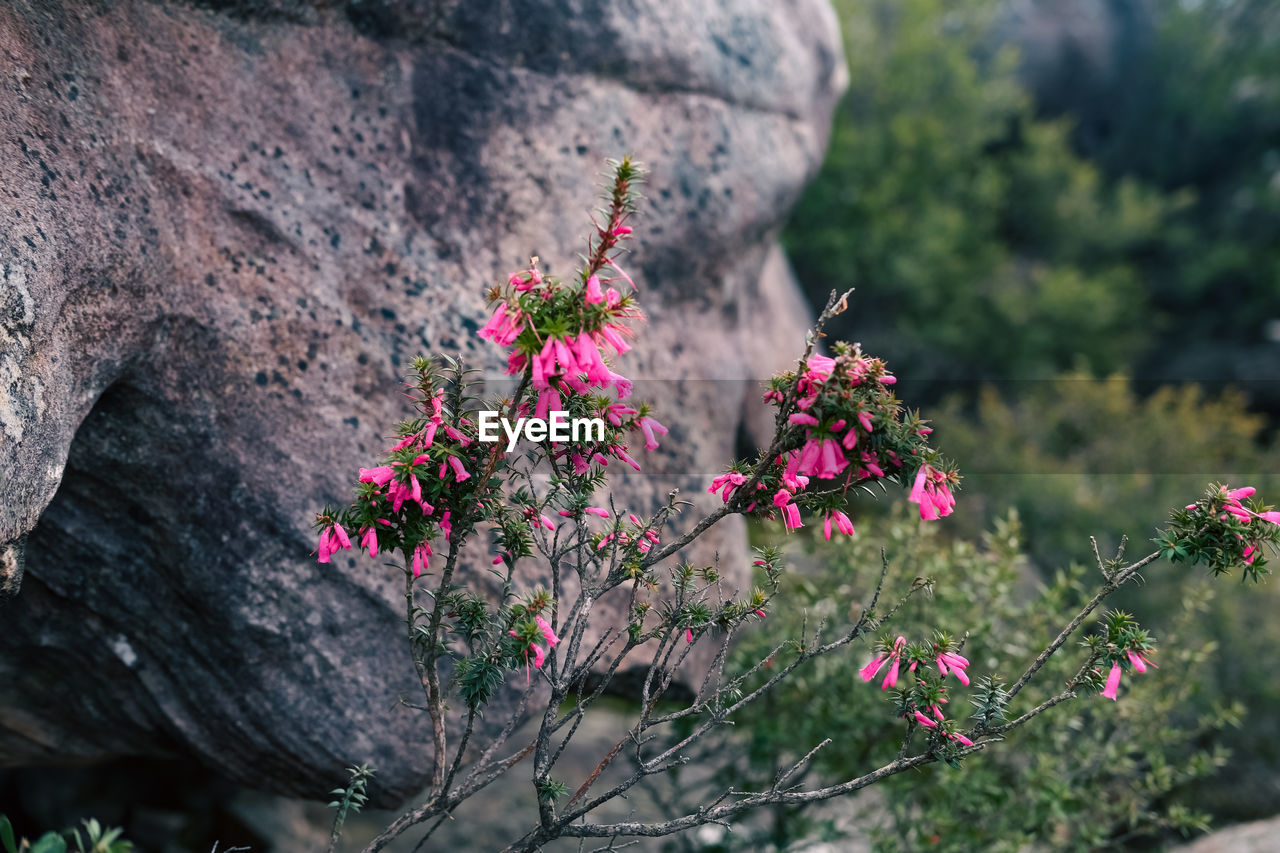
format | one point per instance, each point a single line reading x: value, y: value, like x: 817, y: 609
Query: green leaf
x: 50, y: 842
x: 6, y: 835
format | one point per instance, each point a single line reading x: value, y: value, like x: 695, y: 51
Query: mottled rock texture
x: 227, y: 228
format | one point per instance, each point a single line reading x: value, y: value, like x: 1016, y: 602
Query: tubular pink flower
x: 688, y: 635
x: 803, y: 419
x: 923, y: 720
x: 621, y: 453
x: 545, y: 627
x: 323, y: 549
x: 869, y: 671
x: 891, y: 678
x: 955, y: 664
x: 613, y: 335
x: 595, y: 510
x: 791, y: 517
x: 539, y: 656
x: 615, y: 412
x: 369, y: 541
x: 843, y: 524
x: 930, y: 491
x: 614, y: 264
x: 420, y: 556
x: 649, y: 426
x: 1113, y: 682
x: 445, y: 526
x: 458, y: 471
x: 594, y: 295
x: 378, y: 476
x: 343, y: 541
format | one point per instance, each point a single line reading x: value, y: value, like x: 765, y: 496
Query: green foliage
x: 95, y: 839
x: 99, y: 839
x: 551, y: 790
x: 1078, y: 457
x: 476, y: 679
x: 1090, y: 772
x: 953, y: 209
x: 351, y: 798
x: 1207, y: 122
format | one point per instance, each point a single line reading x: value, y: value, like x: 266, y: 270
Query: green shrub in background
x: 1095, y: 774
x: 1200, y: 115
x: 1075, y: 456
x: 979, y: 244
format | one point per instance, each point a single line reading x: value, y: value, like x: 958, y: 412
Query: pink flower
x: 332, y: 539
x: 728, y: 482
x: 445, y: 526
x: 869, y: 671
x: 649, y: 426
x: 923, y: 720
x: 458, y: 471
x: 843, y: 524
x: 420, y: 556
x: 950, y: 661
x: 930, y: 491
x: 615, y: 412
x: 369, y: 541
x: 539, y: 656
x: 1139, y: 661
x: 623, y: 274
x: 593, y: 293
x: 822, y: 458
x: 1113, y: 682
x: 688, y: 635
x: 595, y: 510
x: 378, y: 476
x: 545, y: 627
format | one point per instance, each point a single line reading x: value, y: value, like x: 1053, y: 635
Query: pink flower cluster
x: 539, y: 654
x: 1231, y: 505
x: 1137, y: 659
x: 570, y: 360
x: 948, y: 662
x: 932, y: 493
x: 573, y: 361
x: 850, y: 433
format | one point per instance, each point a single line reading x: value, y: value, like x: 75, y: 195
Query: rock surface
x: 228, y: 227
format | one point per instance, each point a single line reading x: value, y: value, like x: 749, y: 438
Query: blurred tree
x: 1207, y: 126
x: 981, y: 246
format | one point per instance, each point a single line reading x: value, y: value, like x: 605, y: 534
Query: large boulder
x: 228, y: 226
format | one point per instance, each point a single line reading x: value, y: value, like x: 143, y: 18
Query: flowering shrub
x: 838, y: 429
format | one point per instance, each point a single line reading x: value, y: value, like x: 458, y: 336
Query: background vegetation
x: 1083, y: 283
